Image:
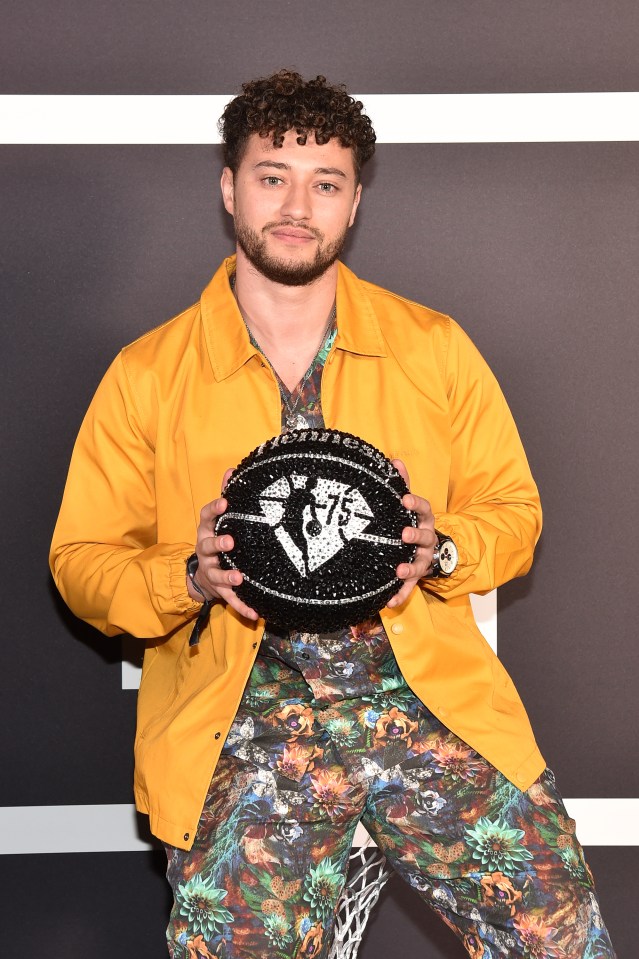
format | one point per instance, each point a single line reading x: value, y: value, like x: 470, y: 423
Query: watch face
x: 448, y: 557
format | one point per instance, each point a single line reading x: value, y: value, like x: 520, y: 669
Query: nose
x: 296, y: 203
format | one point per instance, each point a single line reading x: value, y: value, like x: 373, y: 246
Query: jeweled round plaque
x: 316, y: 518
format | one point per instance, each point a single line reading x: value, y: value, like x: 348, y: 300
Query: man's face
x: 292, y: 206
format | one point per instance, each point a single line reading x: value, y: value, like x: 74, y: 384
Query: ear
x: 227, y: 184
x: 356, y: 199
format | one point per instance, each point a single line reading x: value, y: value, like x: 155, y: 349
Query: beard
x: 288, y: 272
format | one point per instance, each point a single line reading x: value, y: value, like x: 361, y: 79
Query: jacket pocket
x: 160, y: 687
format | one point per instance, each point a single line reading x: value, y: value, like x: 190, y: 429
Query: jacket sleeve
x: 105, y: 558
x: 493, y: 512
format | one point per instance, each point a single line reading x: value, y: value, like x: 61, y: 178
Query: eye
x: 327, y: 187
x: 271, y: 180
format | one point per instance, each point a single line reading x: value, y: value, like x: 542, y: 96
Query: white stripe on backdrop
x: 398, y: 118
x: 113, y: 828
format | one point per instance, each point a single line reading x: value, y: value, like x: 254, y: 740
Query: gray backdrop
x: 532, y: 247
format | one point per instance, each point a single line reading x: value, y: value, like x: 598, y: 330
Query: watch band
x: 192, y: 566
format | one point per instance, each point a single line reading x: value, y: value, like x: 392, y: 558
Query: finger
x: 210, y: 512
x: 242, y: 608
x: 418, y: 505
x: 401, y: 469
x: 221, y: 583
x: 424, y: 537
x: 209, y: 546
x: 402, y: 595
x: 214, y: 578
x: 231, y: 598
x: 221, y: 579
x: 415, y: 570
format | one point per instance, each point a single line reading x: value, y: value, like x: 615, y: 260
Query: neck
x: 275, y: 311
x: 287, y: 321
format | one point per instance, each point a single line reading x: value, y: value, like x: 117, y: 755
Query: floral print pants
x: 306, y: 759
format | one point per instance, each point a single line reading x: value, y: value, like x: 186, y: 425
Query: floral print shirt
x: 351, y: 662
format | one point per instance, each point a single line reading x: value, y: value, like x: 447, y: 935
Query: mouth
x: 293, y: 235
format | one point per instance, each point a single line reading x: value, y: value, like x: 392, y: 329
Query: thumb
x: 401, y: 469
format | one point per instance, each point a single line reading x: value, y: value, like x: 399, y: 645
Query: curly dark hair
x: 284, y: 101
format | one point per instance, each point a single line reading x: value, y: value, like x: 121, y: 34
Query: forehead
x: 310, y: 157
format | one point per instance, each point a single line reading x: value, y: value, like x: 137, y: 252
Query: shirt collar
x: 227, y: 339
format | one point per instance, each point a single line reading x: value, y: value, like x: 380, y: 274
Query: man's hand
x: 424, y: 536
x: 215, y: 582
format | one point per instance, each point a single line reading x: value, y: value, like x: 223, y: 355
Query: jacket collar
x: 227, y: 340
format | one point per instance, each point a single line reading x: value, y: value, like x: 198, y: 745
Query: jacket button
x: 397, y: 628
x: 254, y: 645
x: 186, y: 836
x: 442, y: 712
x: 217, y: 735
x: 520, y: 777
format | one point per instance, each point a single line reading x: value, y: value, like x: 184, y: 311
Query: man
x: 258, y: 750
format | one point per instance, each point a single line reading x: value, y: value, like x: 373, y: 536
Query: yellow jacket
x: 193, y: 397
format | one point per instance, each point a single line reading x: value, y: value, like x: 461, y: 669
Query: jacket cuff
x: 177, y: 582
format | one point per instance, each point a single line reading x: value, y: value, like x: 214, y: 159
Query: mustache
x: 297, y: 226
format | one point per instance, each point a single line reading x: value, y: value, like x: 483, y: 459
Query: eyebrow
x: 321, y: 170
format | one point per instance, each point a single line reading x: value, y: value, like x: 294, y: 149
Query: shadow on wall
x: 521, y: 588
x: 111, y: 649
x: 109, y: 652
